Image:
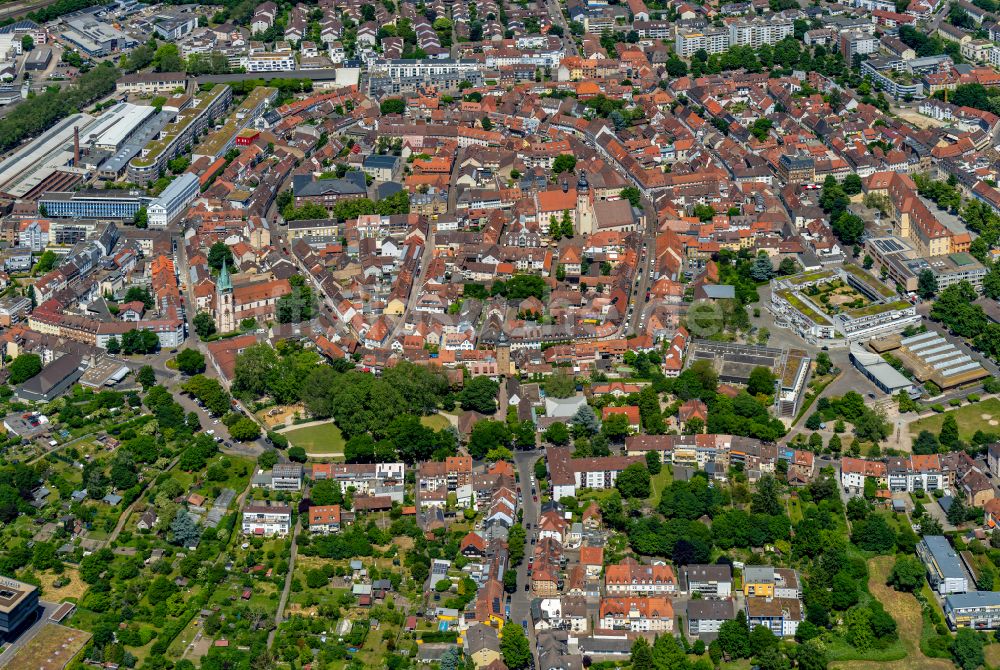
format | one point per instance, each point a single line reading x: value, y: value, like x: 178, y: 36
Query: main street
x: 556, y: 14
x: 647, y: 253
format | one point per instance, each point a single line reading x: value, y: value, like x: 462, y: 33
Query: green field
x: 969, y: 418
x: 435, y: 421
x: 323, y: 439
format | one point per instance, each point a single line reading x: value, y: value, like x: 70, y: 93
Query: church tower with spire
x: 584, y: 205
x: 225, y: 309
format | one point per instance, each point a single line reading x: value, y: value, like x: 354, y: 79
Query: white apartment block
x: 760, y: 31
x: 712, y: 40
x: 266, y: 520
x: 268, y: 62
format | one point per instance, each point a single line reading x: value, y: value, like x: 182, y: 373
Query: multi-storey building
x: 191, y: 120
x: 713, y: 580
x: 370, y: 479
x: 707, y: 616
x: 409, y: 75
x: 568, y: 474
x: 268, y: 62
x: 92, y: 204
x: 631, y: 578
x: 261, y: 518
x: 760, y: 30
x: 174, y: 201
x: 781, y: 616
x: 945, y: 571
x: 979, y: 610
x: 712, y: 40
x: 436, y: 480
x: 566, y: 613
x: 765, y: 581
x: 855, y: 471
x: 325, y: 519
x: 649, y: 614
x: 18, y: 605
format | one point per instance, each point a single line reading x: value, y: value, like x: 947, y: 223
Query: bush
x: 277, y: 439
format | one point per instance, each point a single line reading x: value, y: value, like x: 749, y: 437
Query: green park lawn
x: 969, y: 418
x: 324, y: 438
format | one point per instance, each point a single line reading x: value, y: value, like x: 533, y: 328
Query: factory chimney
x: 76, y: 146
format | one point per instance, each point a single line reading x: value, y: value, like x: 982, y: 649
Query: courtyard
x: 835, y: 296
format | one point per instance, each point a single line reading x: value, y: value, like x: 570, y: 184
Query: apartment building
x: 546, y: 564
x: 781, y: 616
x: 916, y: 473
x: 268, y: 62
x: 713, y: 580
x: 639, y: 614
x: 765, y: 581
x: 854, y: 472
x: 409, y: 75
x: 151, y: 83
x: 632, y: 578
x: 325, y: 519
x: 707, y: 616
x: 760, y: 30
x: 436, y: 481
x: 569, y: 474
x: 979, y: 610
x: 945, y: 571
x: 567, y: 613
x: 267, y: 519
x: 193, y: 117
x: 365, y: 478
x: 712, y: 40
x: 282, y: 477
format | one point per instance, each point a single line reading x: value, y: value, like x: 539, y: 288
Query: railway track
x: 15, y: 9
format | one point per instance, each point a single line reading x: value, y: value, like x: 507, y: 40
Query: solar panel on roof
x: 936, y: 349
x: 918, y: 338
x: 964, y: 368
x: 940, y: 357
x: 921, y: 346
x: 947, y: 364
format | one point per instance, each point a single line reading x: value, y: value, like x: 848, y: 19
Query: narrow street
x: 123, y: 518
x: 520, y: 600
x: 279, y: 615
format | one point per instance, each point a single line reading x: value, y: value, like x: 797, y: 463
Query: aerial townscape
x: 500, y: 335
